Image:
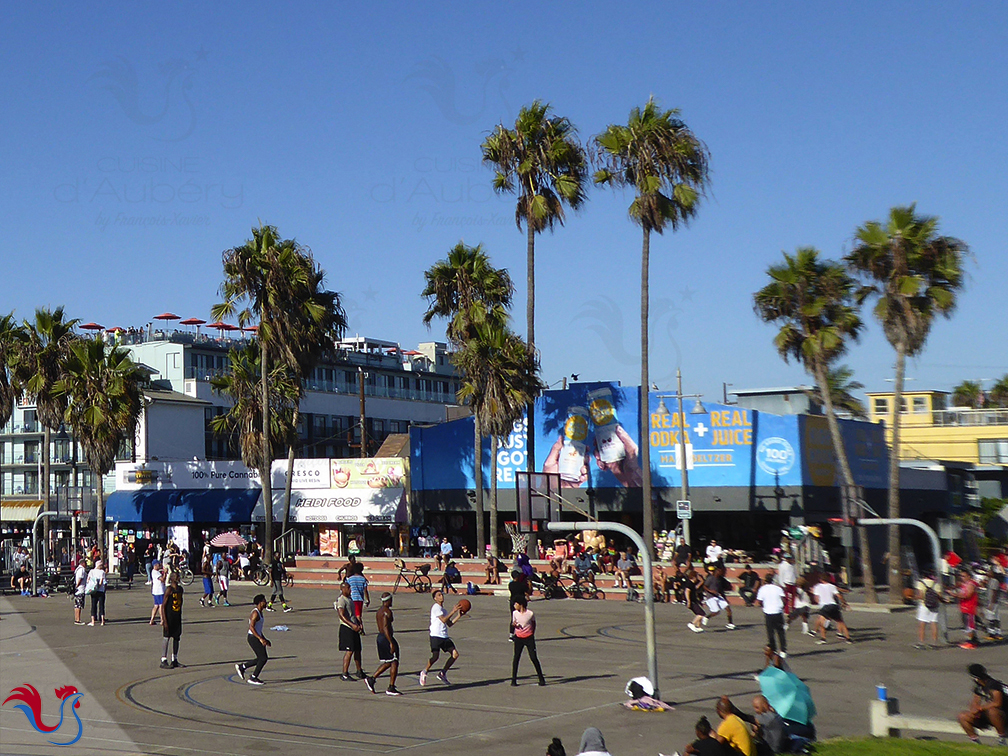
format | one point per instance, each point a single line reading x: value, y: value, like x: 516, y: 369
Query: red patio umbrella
x: 117, y: 329
x: 166, y: 316
x: 92, y: 327
x: 227, y: 540
x: 192, y: 321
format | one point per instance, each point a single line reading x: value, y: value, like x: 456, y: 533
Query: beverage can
x: 600, y: 403
x: 603, y: 414
x: 882, y: 691
x: 572, y: 460
x: 576, y: 427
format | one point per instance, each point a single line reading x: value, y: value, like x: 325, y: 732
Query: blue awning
x: 220, y: 505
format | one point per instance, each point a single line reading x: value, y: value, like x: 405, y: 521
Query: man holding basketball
x: 440, y: 621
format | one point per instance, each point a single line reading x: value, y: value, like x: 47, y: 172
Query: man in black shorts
x: 349, y: 632
x: 388, y: 648
x: 988, y: 708
x: 440, y: 621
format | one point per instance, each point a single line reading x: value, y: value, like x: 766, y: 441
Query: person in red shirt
x: 966, y: 592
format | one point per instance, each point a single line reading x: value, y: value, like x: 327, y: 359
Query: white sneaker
x: 730, y: 626
x: 782, y: 655
x: 786, y: 626
x: 423, y: 677
x: 240, y: 669
x: 694, y: 628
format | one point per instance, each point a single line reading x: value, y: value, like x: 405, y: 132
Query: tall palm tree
x: 656, y: 156
x: 841, y: 386
x: 41, y: 362
x: 999, y: 392
x: 261, y: 279
x: 12, y: 337
x: 816, y: 303
x: 969, y: 394
x: 454, y: 286
x: 542, y: 161
x: 916, y: 275
x: 501, y: 379
x: 103, y: 391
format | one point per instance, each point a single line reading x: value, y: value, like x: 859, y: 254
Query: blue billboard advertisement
x: 864, y: 443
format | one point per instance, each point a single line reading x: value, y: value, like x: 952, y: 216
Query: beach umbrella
x: 227, y: 540
x: 166, y: 316
x: 91, y: 327
x: 789, y: 696
x: 192, y: 321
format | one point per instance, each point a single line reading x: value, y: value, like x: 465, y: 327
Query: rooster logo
x: 32, y: 708
x: 437, y: 78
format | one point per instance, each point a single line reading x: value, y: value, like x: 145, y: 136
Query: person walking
x: 257, y: 642
x: 359, y: 592
x: 223, y: 573
x: 770, y: 597
x: 277, y: 574
x: 523, y: 626
x: 349, y: 633
x: 80, y: 581
x: 171, y: 621
x: 206, y: 567
x: 440, y: 621
x: 97, y: 581
x: 694, y: 600
x: 157, y: 588
x: 388, y: 648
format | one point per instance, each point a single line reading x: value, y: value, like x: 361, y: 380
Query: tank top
x: 258, y: 626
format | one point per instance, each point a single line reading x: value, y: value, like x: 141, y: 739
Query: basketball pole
x: 642, y: 549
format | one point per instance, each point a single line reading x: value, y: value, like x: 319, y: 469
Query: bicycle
x: 551, y: 587
x: 417, y: 580
x: 584, y: 587
x: 260, y: 574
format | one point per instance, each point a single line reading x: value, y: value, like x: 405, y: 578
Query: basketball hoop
x: 519, y: 540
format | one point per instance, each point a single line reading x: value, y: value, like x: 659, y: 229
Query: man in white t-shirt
x: 80, y: 580
x: 787, y: 578
x: 829, y: 598
x: 714, y: 552
x: 157, y: 590
x: 440, y: 621
x: 770, y: 596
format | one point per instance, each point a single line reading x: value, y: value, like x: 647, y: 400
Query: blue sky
x: 140, y: 142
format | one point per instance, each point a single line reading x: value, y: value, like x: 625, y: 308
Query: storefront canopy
x: 228, y: 505
x: 19, y: 511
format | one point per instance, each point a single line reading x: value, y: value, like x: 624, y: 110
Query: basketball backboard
x: 538, y: 499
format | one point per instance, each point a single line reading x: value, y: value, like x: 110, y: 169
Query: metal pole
x: 682, y: 454
x: 41, y: 516
x: 935, y: 544
x: 363, y: 420
x: 649, y: 621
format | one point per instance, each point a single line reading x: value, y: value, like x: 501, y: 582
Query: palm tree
x: 816, y: 302
x: 916, y: 275
x: 102, y: 390
x: 41, y: 361
x: 662, y: 161
x: 262, y: 278
x: 969, y: 394
x: 841, y: 386
x: 12, y: 337
x: 501, y: 380
x: 999, y: 392
x: 542, y: 161
x: 454, y: 287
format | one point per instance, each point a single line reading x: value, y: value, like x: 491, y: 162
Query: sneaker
x: 511, y: 638
x: 240, y: 669
x: 78, y: 623
x: 361, y: 675
x: 288, y: 608
x: 804, y: 629
x: 705, y: 620
x: 810, y: 634
x: 202, y: 602
x: 967, y: 645
x: 345, y: 677
x: 165, y: 664
x: 369, y: 681
x: 849, y: 641
x: 423, y: 677
x: 694, y: 628
x: 1002, y: 741
x: 730, y: 626
x: 821, y: 642
x: 443, y: 677
x: 782, y: 654
x: 175, y: 664
x: 269, y: 608
x: 254, y: 681
x: 786, y: 626
x: 392, y: 691
x: 226, y: 604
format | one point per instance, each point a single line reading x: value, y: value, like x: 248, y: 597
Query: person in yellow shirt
x: 733, y: 732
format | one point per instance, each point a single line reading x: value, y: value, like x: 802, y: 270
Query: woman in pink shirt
x: 523, y: 628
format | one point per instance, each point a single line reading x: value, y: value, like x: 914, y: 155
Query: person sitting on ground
x: 451, y: 577
x: 592, y: 743
x: 705, y: 744
x: 767, y: 724
x: 988, y: 707
x: 732, y: 730
x: 750, y: 584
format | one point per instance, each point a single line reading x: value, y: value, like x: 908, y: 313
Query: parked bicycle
x: 551, y: 587
x: 417, y: 580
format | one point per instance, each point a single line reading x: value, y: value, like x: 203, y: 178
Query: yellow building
x: 930, y: 429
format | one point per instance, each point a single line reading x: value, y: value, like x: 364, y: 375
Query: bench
x: 886, y: 721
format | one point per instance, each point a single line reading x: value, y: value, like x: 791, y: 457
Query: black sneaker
x: 346, y: 678
x: 392, y: 691
x: 361, y: 675
x: 240, y: 669
x: 175, y: 664
x: 165, y: 664
x: 369, y: 681
x: 254, y: 681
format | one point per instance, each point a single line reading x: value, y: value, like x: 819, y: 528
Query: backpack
x: 472, y: 589
x: 931, y: 599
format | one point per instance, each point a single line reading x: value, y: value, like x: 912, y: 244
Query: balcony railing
x: 970, y: 417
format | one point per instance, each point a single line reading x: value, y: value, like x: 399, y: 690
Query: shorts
x: 349, y: 639
x: 387, y: 652
x: 158, y: 599
x: 715, y: 604
x: 831, y: 612
x: 926, y: 615
x: 172, y: 629
x: 697, y: 609
x: 358, y: 609
x: 78, y: 601
x: 982, y: 720
x: 207, y: 585
x: 441, y: 644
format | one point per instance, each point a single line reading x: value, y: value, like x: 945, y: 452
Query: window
x: 993, y: 451
x: 881, y: 405
x: 903, y: 406
x: 920, y: 405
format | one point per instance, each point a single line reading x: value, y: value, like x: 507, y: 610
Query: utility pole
x: 361, y: 375
x: 682, y: 456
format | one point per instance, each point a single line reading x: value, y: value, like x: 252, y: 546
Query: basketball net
x: 519, y: 541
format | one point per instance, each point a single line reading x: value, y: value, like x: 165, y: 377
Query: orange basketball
x: 464, y: 605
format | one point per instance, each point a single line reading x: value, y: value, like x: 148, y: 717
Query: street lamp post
x: 698, y: 409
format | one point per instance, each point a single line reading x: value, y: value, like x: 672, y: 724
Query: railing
x: 970, y: 417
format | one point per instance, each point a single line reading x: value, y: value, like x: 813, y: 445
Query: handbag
x: 92, y: 584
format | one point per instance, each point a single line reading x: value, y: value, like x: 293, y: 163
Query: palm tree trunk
x: 493, y: 496
x: 867, y: 576
x: 478, y: 503
x: 895, y: 558
x: 290, y: 479
x: 645, y: 425
x: 267, y: 458
x: 530, y: 463
x: 100, y: 516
